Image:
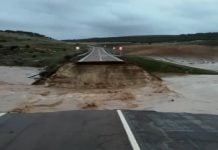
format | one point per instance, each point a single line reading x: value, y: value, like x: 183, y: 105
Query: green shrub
x: 14, y: 47
x: 27, y: 46
x: 3, y: 40
x: 34, y: 56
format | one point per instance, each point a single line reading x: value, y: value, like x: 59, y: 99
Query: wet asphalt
x: 103, y: 130
x: 173, y: 131
x: 75, y: 130
x: 99, y: 54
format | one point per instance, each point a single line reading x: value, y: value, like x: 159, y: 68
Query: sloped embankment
x: 98, y: 76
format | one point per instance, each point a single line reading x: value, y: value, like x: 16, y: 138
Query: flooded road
x: 193, y: 94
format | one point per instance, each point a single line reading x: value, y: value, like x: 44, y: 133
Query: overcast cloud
x: 63, y: 19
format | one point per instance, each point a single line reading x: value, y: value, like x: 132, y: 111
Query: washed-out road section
x: 107, y: 130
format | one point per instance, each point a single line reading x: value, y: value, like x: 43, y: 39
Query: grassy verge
x: 35, y: 55
x: 152, y: 66
x: 31, y: 49
x: 56, y: 63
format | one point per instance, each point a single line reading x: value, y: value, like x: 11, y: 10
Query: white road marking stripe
x: 2, y: 114
x: 112, y: 56
x: 100, y: 56
x: 81, y: 60
x: 129, y: 133
x: 84, y: 54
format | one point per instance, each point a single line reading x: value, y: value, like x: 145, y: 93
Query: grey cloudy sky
x: 64, y: 19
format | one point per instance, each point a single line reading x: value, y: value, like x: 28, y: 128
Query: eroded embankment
x: 98, y: 76
x: 137, y: 89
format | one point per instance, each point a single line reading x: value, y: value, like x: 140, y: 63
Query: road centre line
x: 99, y: 54
x: 128, y: 130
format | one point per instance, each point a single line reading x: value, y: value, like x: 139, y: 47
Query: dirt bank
x: 99, y: 76
x: 200, y: 56
x: 181, y: 50
x: 28, y: 98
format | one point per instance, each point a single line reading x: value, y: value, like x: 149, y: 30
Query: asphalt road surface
x: 173, y: 131
x: 76, y: 130
x: 108, y: 130
x: 99, y: 54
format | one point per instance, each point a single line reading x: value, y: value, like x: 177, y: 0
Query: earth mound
x: 99, y: 76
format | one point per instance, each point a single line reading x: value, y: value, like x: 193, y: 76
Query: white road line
x: 84, y: 54
x: 83, y: 59
x: 129, y: 133
x: 99, y: 54
x: 112, y: 56
x: 2, y: 114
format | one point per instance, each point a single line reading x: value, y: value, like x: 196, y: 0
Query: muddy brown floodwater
x: 195, y: 94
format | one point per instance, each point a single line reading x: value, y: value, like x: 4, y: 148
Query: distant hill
x: 25, y: 33
x: 154, y: 38
x: 20, y: 48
